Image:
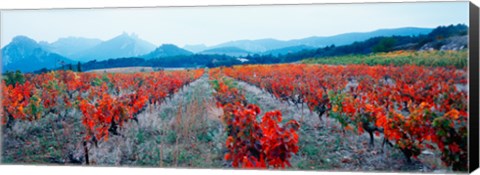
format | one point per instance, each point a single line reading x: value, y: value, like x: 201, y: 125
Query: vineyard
x: 298, y: 116
x: 416, y: 108
x: 434, y: 58
x: 106, y: 101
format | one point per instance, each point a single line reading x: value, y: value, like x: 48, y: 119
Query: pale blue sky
x: 214, y: 25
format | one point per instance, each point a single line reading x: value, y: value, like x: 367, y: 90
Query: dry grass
x: 179, y: 132
x: 49, y: 140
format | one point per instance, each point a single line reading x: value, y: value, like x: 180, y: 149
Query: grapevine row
x: 414, y: 107
x: 252, y: 143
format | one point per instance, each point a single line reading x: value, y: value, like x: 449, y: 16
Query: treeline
x: 197, y: 60
x: 12, y: 78
x: 73, y: 67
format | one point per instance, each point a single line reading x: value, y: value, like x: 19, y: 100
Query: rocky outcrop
x: 451, y: 43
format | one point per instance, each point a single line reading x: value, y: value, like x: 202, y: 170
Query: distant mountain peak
x: 22, y: 45
x: 123, y: 45
x: 23, y: 39
x: 124, y: 33
x: 134, y: 35
x: 26, y: 55
x: 127, y: 35
x: 69, y: 46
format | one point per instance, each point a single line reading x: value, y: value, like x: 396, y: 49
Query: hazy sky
x: 214, y: 25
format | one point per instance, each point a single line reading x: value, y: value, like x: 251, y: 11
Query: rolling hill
x: 167, y: 50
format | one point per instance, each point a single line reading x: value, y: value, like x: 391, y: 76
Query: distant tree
x: 210, y: 64
x: 385, y: 45
x: 12, y: 78
x: 79, y: 67
x: 70, y: 67
x: 41, y: 71
x: 442, y: 32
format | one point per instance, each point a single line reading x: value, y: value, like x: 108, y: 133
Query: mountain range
x: 123, y: 45
x: 70, y: 46
x: 27, y: 55
x: 265, y: 45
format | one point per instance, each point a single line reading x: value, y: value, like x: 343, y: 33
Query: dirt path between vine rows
x: 323, y: 145
x: 183, y: 131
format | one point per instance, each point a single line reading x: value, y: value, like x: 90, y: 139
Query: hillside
x: 167, y: 50
x: 26, y: 55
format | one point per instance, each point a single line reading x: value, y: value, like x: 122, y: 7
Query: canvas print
x: 337, y: 87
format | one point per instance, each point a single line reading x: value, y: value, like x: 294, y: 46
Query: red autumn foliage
x: 105, y: 100
x: 252, y: 143
x: 406, y: 103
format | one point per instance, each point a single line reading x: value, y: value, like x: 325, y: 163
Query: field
x: 400, y: 113
x: 434, y: 58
